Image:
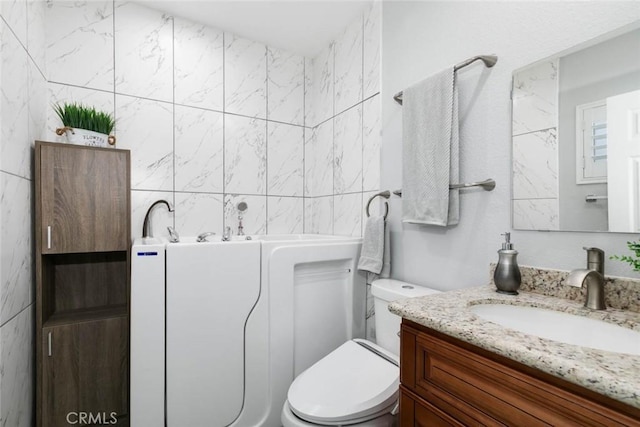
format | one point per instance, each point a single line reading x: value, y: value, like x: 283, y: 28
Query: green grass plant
x: 634, y: 261
x: 79, y: 116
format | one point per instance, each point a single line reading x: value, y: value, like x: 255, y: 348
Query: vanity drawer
x: 467, y: 385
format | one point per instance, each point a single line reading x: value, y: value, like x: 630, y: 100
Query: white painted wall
x: 421, y: 38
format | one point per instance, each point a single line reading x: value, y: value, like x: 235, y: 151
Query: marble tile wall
x: 535, y: 148
x: 23, y: 98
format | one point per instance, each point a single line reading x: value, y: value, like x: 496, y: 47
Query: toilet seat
x: 350, y: 385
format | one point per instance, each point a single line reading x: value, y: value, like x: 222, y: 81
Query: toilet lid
x: 349, y: 383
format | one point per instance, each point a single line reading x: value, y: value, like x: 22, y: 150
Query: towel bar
x: 489, y: 61
x: 386, y: 194
x: 487, y: 185
x: 593, y: 198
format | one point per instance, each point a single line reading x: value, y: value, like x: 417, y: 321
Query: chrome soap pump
x: 507, y: 274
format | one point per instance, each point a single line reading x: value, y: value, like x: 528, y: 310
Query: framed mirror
x: 576, y: 138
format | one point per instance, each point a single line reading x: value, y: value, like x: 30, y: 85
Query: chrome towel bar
x: 386, y: 194
x: 489, y: 61
x: 487, y: 185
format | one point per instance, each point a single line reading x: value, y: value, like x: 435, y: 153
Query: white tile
x: 347, y: 215
x: 143, y: 52
x: 198, y: 212
x: 16, y: 249
x: 245, y: 77
x: 159, y: 219
x: 308, y: 93
x: 347, y: 156
x: 245, y: 155
x: 199, y: 65
x: 285, y: 145
x: 371, y: 143
x: 36, y: 37
x: 199, y: 150
x: 14, y: 13
x: 318, y: 159
x: 536, y: 214
x: 535, y: 165
x: 254, y: 219
x: 285, y: 102
x: 371, y: 49
x: 285, y: 215
x: 348, y: 68
x: 79, y: 43
x: 146, y: 128
x: 535, y: 98
x: 318, y: 215
x: 321, y: 92
x: 16, y: 370
x: 38, y: 104
x: 15, y: 146
x: 59, y: 94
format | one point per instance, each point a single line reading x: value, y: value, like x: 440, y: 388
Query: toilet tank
x: 387, y: 324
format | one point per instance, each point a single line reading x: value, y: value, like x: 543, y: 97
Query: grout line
x: 17, y: 314
x: 224, y: 130
x: 15, y: 175
x: 173, y: 111
x: 266, y: 139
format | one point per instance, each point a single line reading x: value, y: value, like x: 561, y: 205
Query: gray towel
x: 430, y: 151
x: 375, y: 257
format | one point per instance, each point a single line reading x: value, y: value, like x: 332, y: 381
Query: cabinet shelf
x: 86, y: 315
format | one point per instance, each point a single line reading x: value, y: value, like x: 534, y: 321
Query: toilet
x: 357, y: 383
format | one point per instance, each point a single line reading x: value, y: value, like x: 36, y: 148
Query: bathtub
x: 243, y: 318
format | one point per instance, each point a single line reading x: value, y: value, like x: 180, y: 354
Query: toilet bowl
x: 357, y: 383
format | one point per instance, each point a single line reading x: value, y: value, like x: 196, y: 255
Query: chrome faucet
x: 226, y: 236
x: 174, y: 237
x: 202, y: 237
x: 593, y: 276
x: 145, y: 224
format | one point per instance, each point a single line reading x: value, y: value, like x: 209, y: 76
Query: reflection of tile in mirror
x: 535, y: 165
x: 535, y: 97
x: 535, y: 214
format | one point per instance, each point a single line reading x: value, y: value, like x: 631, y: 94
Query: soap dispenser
x: 507, y: 274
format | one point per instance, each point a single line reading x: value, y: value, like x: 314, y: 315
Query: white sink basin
x: 563, y: 327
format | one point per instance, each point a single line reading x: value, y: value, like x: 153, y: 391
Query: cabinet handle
x: 49, y: 343
x: 48, y: 237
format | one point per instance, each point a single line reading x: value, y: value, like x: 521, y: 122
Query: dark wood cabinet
x: 82, y: 284
x: 445, y: 381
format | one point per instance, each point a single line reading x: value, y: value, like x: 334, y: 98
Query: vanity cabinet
x: 82, y: 257
x: 448, y: 382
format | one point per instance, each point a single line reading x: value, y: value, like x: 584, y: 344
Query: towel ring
x: 384, y: 194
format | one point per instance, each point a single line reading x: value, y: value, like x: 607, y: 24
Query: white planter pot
x: 86, y: 137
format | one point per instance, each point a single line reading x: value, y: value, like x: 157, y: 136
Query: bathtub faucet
x: 145, y: 224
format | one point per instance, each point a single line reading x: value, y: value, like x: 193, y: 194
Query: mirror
x: 576, y: 138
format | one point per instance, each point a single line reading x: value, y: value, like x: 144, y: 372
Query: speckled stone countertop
x: 612, y: 374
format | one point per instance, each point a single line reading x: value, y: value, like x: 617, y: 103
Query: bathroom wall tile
x: 38, y: 105
x: 199, y: 212
x: 285, y: 85
x: 199, y: 150
x: 146, y: 128
x: 371, y: 49
x: 285, y: 215
x: 199, y: 65
x: 36, y: 37
x: 347, y: 156
x: 322, y: 89
x: 254, y: 219
x: 14, y: 13
x: 245, y: 77
x: 285, y: 146
x: 17, y: 371
x: 245, y: 155
x: 536, y: 214
x: 308, y: 92
x: 143, y: 52
x: 59, y: 93
x: 79, y: 43
x: 318, y: 215
x: 16, y: 246
x: 371, y: 143
x: 15, y: 147
x: 535, y: 98
x: 535, y: 165
x: 348, y: 67
x: 160, y: 217
x: 347, y: 215
x: 318, y: 155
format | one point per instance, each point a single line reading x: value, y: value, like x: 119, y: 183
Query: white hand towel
x: 430, y: 151
x: 375, y: 256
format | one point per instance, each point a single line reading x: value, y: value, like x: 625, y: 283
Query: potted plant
x: 85, y: 125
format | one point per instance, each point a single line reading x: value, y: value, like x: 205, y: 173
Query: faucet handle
x: 595, y: 259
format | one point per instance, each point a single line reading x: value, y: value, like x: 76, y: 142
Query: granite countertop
x: 612, y: 374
